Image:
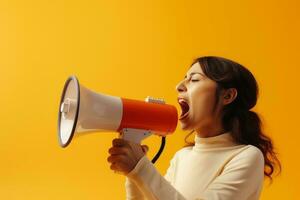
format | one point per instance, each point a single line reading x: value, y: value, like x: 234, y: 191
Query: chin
x: 185, y: 126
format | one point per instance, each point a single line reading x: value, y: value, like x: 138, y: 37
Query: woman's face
x: 196, y: 96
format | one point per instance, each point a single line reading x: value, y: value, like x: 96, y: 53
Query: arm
x: 132, y: 190
x: 151, y: 183
x: 241, y: 178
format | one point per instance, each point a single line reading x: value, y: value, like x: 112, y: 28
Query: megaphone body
x: 82, y: 111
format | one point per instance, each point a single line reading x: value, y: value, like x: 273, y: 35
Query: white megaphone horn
x: 82, y: 110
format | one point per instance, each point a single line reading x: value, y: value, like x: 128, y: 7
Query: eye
x: 194, y: 80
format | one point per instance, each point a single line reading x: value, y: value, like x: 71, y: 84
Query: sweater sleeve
x: 151, y: 184
x: 132, y: 190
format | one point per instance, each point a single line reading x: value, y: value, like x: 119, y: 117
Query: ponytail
x: 246, y: 129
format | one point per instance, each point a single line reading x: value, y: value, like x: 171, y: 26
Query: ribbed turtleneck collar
x: 215, y: 142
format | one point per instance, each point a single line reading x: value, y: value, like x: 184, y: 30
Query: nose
x: 180, y: 87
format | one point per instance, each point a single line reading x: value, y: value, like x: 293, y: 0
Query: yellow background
x: 132, y: 49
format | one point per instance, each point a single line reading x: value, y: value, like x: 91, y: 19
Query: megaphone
x: 82, y: 111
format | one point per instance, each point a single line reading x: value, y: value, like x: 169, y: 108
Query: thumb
x: 145, y: 148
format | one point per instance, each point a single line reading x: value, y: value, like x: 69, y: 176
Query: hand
x: 124, y: 155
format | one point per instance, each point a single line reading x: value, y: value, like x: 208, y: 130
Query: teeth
x: 184, y: 107
x: 182, y: 101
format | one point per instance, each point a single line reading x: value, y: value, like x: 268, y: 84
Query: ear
x: 229, y: 96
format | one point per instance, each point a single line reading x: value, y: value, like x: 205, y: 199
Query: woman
x: 230, y: 154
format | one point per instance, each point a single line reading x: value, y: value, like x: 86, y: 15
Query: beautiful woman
x: 230, y: 155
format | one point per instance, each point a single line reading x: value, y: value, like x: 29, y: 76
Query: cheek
x: 203, y: 101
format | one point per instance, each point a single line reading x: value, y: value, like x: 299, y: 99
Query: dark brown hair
x: 244, y: 124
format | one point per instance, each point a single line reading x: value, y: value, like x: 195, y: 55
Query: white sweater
x: 216, y: 168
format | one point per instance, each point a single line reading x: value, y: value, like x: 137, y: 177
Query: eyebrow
x: 194, y: 73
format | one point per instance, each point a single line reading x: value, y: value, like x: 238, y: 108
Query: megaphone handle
x: 134, y: 135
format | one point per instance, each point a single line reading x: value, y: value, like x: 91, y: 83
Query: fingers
x: 118, y: 150
x: 125, y: 154
x: 145, y: 148
x: 117, y: 168
x: 116, y: 158
x: 118, y: 164
x: 118, y: 142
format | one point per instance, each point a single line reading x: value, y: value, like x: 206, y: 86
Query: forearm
x: 132, y: 191
x: 151, y: 184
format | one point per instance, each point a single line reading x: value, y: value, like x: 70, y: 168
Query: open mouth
x: 184, y: 108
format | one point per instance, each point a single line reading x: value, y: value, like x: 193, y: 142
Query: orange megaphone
x: 82, y: 110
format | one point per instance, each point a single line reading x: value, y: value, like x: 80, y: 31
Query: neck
x: 216, y: 142
x: 210, y: 131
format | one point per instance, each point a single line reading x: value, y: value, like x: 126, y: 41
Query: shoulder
x: 252, y: 153
x: 181, y: 153
x: 249, y: 157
